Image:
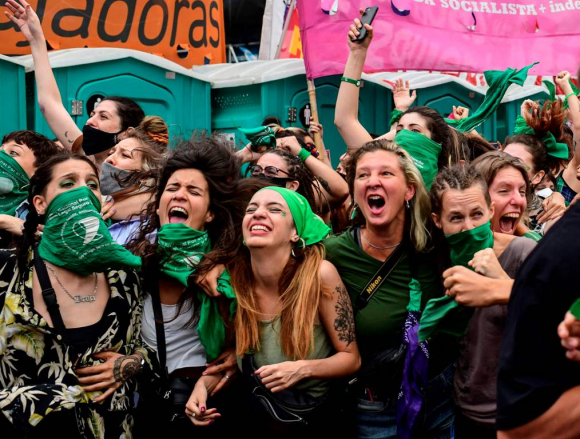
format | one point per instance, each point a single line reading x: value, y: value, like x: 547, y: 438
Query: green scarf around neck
x: 76, y: 237
x: 180, y: 249
x: 555, y: 149
x: 443, y: 314
x: 14, y: 183
x: 424, y: 152
x: 499, y: 82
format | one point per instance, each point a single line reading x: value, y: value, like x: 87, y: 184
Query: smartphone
x: 367, y: 18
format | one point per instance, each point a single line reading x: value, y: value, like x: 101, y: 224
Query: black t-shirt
x: 534, y: 371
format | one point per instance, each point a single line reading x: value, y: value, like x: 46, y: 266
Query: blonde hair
x: 153, y: 135
x: 300, y: 287
x: 420, y: 206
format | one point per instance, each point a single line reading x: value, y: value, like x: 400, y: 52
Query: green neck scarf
x: 262, y: 138
x: 309, y: 226
x: 75, y: 236
x: 181, y: 248
x: 555, y: 149
x: 14, y: 184
x: 424, y: 152
x: 443, y: 314
x: 499, y: 82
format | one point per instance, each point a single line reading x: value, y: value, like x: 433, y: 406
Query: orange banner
x: 186, y: 32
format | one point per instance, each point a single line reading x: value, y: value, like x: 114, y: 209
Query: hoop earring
x: 293, y: 254
x: 303, y: 243
x: 244, y: 242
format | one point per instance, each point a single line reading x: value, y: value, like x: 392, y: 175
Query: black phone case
x: 367, y: 18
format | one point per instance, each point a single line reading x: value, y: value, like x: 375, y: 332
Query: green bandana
x: 395, y: 117
x: 576, y: 92
x: 499, y: 82
x: 13, y: 184
x: 424, y: 152
x: 575, y: 309
x: 181, y: 248
x: 309, y: 226
x: 443, y: 314
x: 75, y: 236
x: 262, y: 138
x: 555, y: 149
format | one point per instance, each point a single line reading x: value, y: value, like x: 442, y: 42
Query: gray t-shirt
x: 476, y: 373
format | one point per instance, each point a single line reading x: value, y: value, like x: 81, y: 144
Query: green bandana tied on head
x: 499, y: 82
x: 262, y: 138
x: 443, y: 314
x: 13, y: 184
x: 181, y: 248
x: 555, y: 149
x: 424, y: 152
x: 76, y: 237
x: 309, y: 226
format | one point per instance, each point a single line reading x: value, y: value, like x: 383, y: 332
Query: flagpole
x: 314, y: 112
x: 286, y: 25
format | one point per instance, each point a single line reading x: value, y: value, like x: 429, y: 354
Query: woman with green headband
x: 294, y: 327
x: 463, y: 210
x: 390, y: 273
x: 197, y: 207
x: 70, y: 314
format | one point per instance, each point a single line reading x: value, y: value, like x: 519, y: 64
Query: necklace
x: 77, y: 299
x: 376, y: 246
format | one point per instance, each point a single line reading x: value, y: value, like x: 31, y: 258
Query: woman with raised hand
x: 197, y: 208
x: 294, y: 326
x: 464, y: 211
x: 390, y: 273
x: 70, y: 314
x: 108, y: 122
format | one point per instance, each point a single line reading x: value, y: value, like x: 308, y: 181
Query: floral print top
x: 36, y: 367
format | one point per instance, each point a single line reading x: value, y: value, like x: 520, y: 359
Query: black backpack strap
x: 153, y: 289
x: 48, y: 294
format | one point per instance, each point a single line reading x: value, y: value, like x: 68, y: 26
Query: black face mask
x: 275, y: 181
x: 96, y: 141
x: 109, y: 176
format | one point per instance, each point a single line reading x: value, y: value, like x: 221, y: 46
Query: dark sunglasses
x: 268, y: 171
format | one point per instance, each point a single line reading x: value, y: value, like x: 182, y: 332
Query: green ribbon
x: 575, y: 309
x: 499, y: 82
x: 181, y: 248
x: 309, y: 226
x: 555, y: 149
x: 76, y: 237
x: 261, y: 138
x: 424, y: 152
x: 14, y: 184
x: 443, y: 314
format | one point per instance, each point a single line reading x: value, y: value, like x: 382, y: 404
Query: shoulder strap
x: 153, y: 282
x: 48, y: 294
x: 379, y: 277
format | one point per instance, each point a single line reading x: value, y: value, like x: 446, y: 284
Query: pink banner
x: 445, y: 35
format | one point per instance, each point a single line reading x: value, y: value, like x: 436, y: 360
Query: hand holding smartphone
x: 367, y: 18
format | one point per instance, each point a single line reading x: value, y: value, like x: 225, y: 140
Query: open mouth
x: 178, y: 215
x: 376, y: 203
x: 508, y: 223
x: 259, y: 229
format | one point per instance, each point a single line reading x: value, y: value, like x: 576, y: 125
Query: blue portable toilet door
x: 154, y: 99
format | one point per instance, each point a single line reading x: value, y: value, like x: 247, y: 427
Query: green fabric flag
x: 14, y: 184
x: 424, y: 152
x: 576, y: 92
x: 181, y: 248
x: 499, y: 82
x: 443, y: 314
x: 309, y: 226
x: 555, y: 149
x: 262, y: 138
x: 575, y: 309
x: 76, y: 237
x: 551, y: 89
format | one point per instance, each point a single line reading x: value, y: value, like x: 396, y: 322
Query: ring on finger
x: 226, y: 376
x: 192, y: 415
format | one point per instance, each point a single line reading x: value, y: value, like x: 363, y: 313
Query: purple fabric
x: 414, y: 383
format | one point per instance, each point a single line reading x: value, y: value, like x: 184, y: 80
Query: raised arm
x: 49, y: 99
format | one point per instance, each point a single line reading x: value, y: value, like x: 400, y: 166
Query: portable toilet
x: 12, y: 95
x: 244, y: 94
x: 162, y: 88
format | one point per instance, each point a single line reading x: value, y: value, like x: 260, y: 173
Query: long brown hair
x: 300, y: 288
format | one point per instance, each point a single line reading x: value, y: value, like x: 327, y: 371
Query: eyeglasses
x: 268, y: 171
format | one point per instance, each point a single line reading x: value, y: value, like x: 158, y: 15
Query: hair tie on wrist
x: 303, y: 154
x: 568, y: 95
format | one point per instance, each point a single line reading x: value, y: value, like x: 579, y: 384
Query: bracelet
x: 303, y: 154
x: 356, y: 82
x: 568, y: 95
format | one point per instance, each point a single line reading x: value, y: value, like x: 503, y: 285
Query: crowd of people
x: 423, y: 289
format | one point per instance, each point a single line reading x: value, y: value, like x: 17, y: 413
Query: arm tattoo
x: 344, y: 322
x: 132, y: 367
x: 324, y: 184
x: 66, y: 135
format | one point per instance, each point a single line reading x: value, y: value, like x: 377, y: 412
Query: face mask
x: 464, y: 245
x: 109, y: 179
x: 75, y: 236
x: 276, y: 181
x: 14, y: 184
x: 96, y: 141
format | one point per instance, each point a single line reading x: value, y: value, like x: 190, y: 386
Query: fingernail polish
x: 202, y: 409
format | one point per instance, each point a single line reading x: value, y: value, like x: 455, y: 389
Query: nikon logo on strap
x: 374, y: 284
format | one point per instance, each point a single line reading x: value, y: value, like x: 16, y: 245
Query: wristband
x: 395, y: 117
x: 568, y: 95
x: 303, y: 154
x: 356, y: 82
